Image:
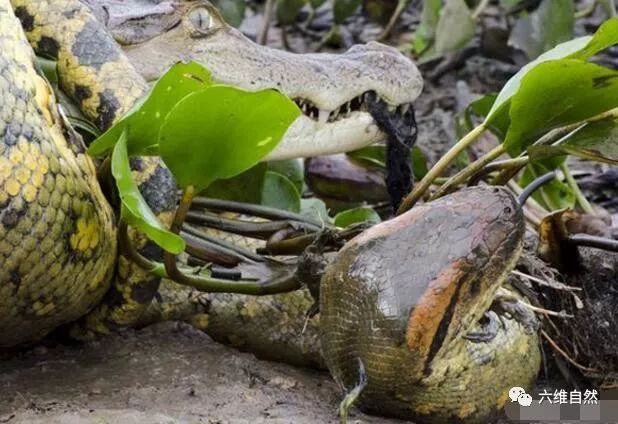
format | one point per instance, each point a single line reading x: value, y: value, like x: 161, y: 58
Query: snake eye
x: 202, y: 22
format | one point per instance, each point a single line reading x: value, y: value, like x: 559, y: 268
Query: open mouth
x: 357, y: 104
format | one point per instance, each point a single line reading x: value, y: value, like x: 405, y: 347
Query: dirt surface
x: 166, y: 373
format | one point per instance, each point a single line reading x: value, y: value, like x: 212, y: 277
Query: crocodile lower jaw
x: 307, y: 137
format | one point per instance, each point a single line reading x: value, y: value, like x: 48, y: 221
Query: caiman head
x: 334, y: 91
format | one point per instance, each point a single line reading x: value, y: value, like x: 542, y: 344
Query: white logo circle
x: 525, y: 399
x: 515, y: 392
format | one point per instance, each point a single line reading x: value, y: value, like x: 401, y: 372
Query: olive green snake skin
x: 59, y: 260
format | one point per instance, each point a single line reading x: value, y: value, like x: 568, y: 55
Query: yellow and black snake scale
x: 58, y: 257
x: 58, y: 233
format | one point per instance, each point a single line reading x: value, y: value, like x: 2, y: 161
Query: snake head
x: 473, y: 239
x: 417, y: 283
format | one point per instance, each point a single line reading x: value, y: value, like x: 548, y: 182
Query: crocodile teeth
x: 323, y: 116
x: 357, y: 104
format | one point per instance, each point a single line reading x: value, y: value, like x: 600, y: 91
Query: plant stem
x: 401, y: 6
x: 501, y: 165
x: 479, y: 9
x: 586, y: 10
x: 581, y: 199
x: 593, y: 241
x: 439, y: 168
x: 251, y: 209
x: 468, y: 171
x: 283, y: 284
x: 130, y: 252
x: 268, y: 11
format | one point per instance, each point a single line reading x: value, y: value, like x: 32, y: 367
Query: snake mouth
x: 359, y: 103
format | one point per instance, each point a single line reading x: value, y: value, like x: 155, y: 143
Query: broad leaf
x: 134, y: 210
x: 279, y: 192
x: 597, y: 141
x: 553, y: 195
x: 292, y: 169
x: 288, y: 10
x: 245, y: 187
x: 233, y: 131
x: 481, y: 107
x: 355, y: 216
x: 579, y: 48
x: 550, y: 24
x: 375, y: 155
x: 144, y: 120
x: 426, y: 30
x: 455, y: 27
x: 343, y: 9
x: 314, y: 209
x: 419, y: 163
x: 544, y: 101
x: 233, y: 11
x: 606, y: 36
x: 316, y: 3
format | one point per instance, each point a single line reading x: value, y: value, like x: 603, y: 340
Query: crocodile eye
x: 201, y: 20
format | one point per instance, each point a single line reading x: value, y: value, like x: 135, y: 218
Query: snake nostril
x: 508, y: 210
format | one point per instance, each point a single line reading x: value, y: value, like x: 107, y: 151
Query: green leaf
x: 233, y: 11
x: 144, y: 120
x: 343, y: 9
x: 455, y: 27
x: 314, y: 209
x: 419, y: 163
x: 550, y: 24
x: 288, y: 10
x: 84, y: 126
x: 134, y: 210
x: 357, y: 215
x: 222, y: 131
x: 509, y: 4
x: 500, y: 124
x: 426, y: 30
x: 553, y: 195
x: 316, y: 3
x: 597, y: 141
x: 49, y: 67
x: 606, y: 36
x: 579, y: 48
x: 245, y: 187
x: 292, y: 169
x: 279, y: 192
x: 545, y: 102
x: 375, y: 155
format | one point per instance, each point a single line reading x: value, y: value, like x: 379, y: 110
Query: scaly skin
x: 402, y: 296
x: 57, y: 231
x: 96, y: 74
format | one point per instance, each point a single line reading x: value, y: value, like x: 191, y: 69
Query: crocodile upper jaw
x: 330, y: 89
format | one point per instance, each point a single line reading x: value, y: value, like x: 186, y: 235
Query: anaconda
x: 46, y: 286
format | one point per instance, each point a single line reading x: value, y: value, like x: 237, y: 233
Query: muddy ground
x: 165, y: 373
